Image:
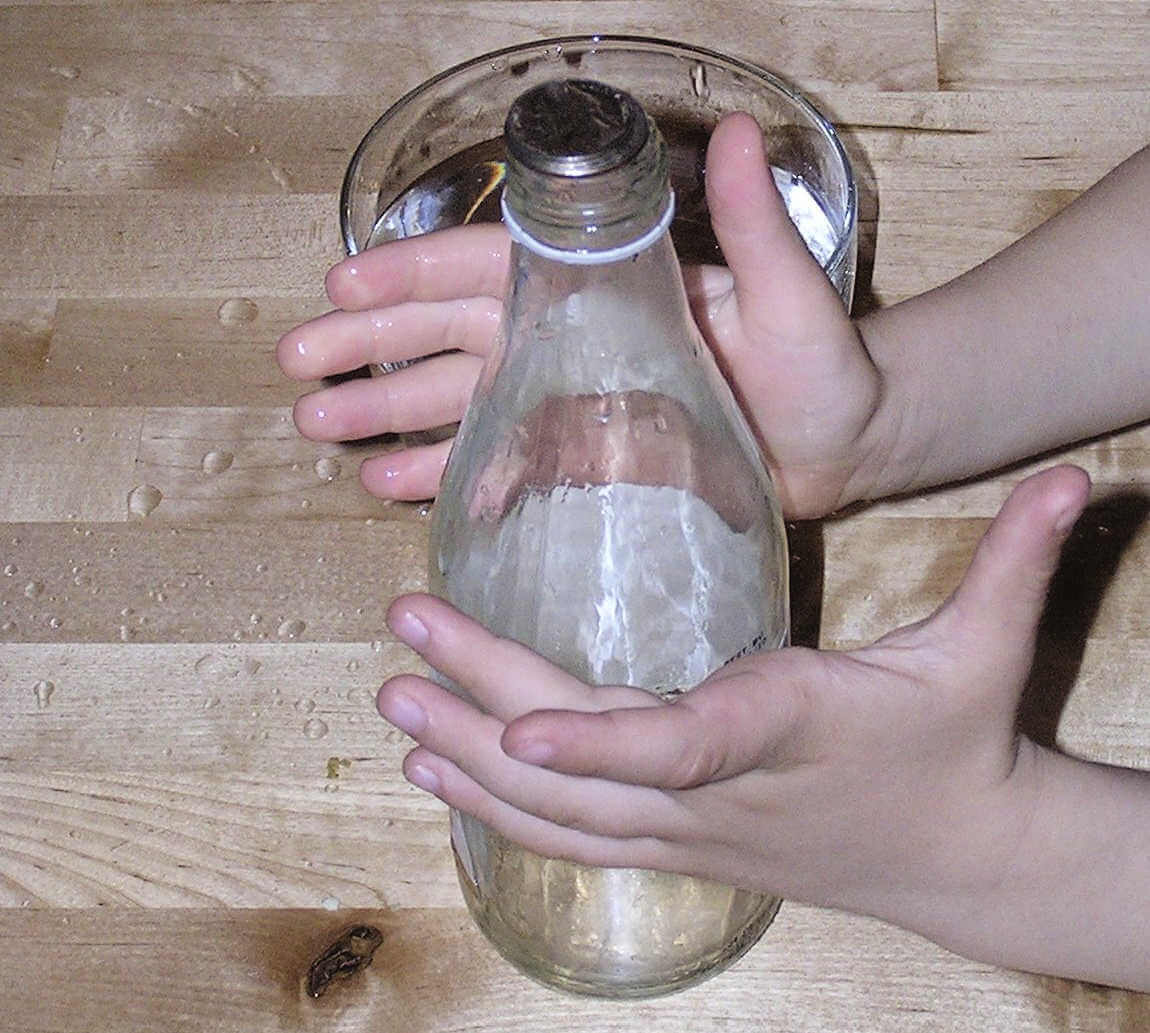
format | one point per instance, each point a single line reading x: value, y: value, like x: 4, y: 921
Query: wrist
x: 894, y: 446
x: 1050, y: 873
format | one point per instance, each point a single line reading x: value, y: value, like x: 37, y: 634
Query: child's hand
x: 777, y: 327
x: 887, y: 780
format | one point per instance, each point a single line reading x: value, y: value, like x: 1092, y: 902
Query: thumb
x: 740, y: 718
x: 1004, y: 590
x: 779, y: 287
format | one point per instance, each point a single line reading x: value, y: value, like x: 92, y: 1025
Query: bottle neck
x: 627, y: 248
x: 593, y: 328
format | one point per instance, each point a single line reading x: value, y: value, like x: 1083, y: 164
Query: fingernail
x: 425, y: 778
x: 403, y: 712
x: 410, y: 630
x: 533, y: 751
x: 1066, y: 520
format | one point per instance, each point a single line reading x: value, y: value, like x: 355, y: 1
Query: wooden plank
x: 1008, y: 141
x: 183, y: 970
x: 181, y: 775
x: 165, y: 243
x: 1105, y: 717
x: 276, y: 145
x: 26, y: 328
x: 273, y: 473
x: 71, y: 462
x: 223, y: 144
x: 1080, y: 44
x: 216, y: 711
x: 29, y: 131
x: 947, y: 180
x: 943, y: 179
x: 184, y: 53
x: 1118, y: 465
x: 210, y: 351
x: 923, y: 239
x: 296, y: 581
x: 90, y: 841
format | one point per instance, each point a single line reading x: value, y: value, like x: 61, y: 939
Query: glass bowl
x: 435, y: 157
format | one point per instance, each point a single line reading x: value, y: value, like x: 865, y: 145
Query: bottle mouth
x: 575, y: 128
x: 587, y: 175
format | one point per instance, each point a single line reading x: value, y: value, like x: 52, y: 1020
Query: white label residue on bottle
x: 624, y: 584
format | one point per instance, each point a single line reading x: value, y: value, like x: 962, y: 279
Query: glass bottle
x: 605, y: 504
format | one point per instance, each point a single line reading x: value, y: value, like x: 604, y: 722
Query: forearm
x: 1072, y: 897
x: 1046, y: 343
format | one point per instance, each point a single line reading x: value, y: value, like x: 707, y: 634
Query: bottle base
x: 563, y: 953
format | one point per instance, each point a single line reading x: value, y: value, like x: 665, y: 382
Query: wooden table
x: 195, y: 794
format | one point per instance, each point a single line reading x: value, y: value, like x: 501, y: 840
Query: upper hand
x: 773, y: 320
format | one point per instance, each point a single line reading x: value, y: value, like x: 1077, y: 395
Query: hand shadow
x: 807, y: 559
x: 1088, y: 564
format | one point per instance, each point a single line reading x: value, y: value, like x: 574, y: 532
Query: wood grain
x: 1092, y: 45
x: 306, y: 580
x: 204, y: 970
x: 196, y: 795
x: 197, y: 352
x: 69, y: 247
x: 188, y: 52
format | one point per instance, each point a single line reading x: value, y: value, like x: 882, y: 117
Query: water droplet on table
x: 11, y: 569
x: 314, y: 728
x: 361, y: 696
x: 43, y: 690
x: 327, y: 468
x: 143, y: 498
x: 217, y: 461
x: 291, y: 629
x: 34, y: 589
x: 237, y: 310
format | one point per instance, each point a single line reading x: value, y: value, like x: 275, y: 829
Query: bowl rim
x: 620, y: 42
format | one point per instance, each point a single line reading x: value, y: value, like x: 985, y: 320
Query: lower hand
x: 888, y: 780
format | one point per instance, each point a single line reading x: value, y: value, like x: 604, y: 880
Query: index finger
x: 460, y: 262
x: 502, y: 676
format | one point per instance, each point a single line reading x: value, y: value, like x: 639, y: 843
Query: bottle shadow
x: 1088, y: 564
